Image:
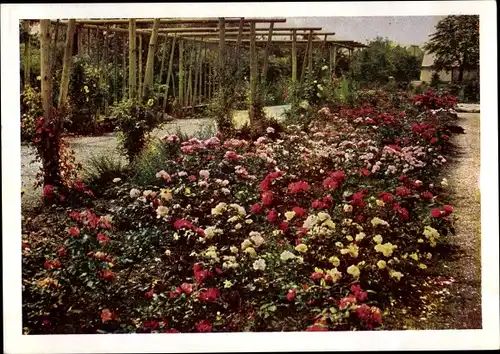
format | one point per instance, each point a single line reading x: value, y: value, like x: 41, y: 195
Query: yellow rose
x: 301, y: 248
x: 378, y: 239
x: 381, y: 264
x: 360, y: 236
x: 414, y: 256
x: 289, y: 215
x: 250, y: 251
x: 380, y: 203
x: 335, y: 261
x: 354, y: 271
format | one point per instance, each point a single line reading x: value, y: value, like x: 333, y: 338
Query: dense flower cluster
x: 239, y: 232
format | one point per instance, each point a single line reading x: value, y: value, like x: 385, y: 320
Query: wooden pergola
x: 208, y: 32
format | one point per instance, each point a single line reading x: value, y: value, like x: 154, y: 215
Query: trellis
x: 198, y: 84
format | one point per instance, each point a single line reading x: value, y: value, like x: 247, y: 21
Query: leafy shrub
x: 102, y: 169
x: 86, y: 95
x: 31, y: 110
x: 135, y: 121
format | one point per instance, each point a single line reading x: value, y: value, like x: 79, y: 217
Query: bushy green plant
x: 102, y: 169
x: 135, y: 120
x: 31, y: 110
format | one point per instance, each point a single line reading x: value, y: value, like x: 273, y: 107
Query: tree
x: 456, y: 42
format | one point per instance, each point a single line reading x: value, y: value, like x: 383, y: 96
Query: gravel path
x: 86, y: 147
x: 463, y: 308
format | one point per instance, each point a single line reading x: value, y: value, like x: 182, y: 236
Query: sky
x: 405, y: 30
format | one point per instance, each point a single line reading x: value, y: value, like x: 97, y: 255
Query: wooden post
x: 132, y: 80
x: 202, y: 59
x: 63, y: 91
x: 196, y: 74
x: 80, y: 41
x: 163, y: 56
x: 310, y: 60
x: 46, y: 89
x: 222, y: 47
x: 190, y: 77
x: 181, y: 72
x: 304, y: 62
x: 294, y: 56
x: 27, y: 54
x: 148, y: 75
x: 139, y: 91
x: 124, y: 74
x: 266, y: 52
x: 115, y: 64
x: 169, y: 73
x: 88, y: 42
x: 105, y: 72
x: 238, y: 43
x: 53, y: 50
x: 209, y: 89
x: 253, y: 72
x: 50, y: 152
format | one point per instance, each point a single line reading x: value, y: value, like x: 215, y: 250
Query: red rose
x: 339, y: 176
x: 448, y: 209
x: 284, y: 226
x: 427, y: 195
x: 74, y: 231
x: 272, y: 216
x: 106, y: 315
x: 435, y: 213
x: 317, y: 275
x: 402, y: 191
x: 179, y: 224
x: 386, y: 197
x: 256, y: 208
x: 290, y: 296
x: 108, y: 275
x: 187, y: 288
x: 365, y: 172
x: 317, y: 328
x: 330, y: 183
x: 267, y: 198
x: 149, y: 294
x: 172, y: 330
x: 299, y: 211
x: 204, y: 326
x: 192, y: 178
x: 61, y: 250
x: 102, y: 239
x: 209, y: 295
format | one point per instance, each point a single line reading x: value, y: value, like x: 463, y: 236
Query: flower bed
x: 308, y: 231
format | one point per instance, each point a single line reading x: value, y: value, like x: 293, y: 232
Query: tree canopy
x: 456, y: 42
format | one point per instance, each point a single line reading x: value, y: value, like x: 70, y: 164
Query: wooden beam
x: 132, y: 80
x: 179, y: 21
x: 163, y: 56
x: 236, y: 29
x: 105, y: 62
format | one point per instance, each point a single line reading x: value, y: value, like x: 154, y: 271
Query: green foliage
x: 435, y: 81
x: 85, y: 97
x: 31, y: 110
x: 134, y: 120
x: 456, y: 42
x: 382, y: 59
x: 102, y: 169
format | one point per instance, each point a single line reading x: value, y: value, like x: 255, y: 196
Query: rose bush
x: 295, y: 231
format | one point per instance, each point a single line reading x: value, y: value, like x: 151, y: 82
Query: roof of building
x: 428, y: 60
